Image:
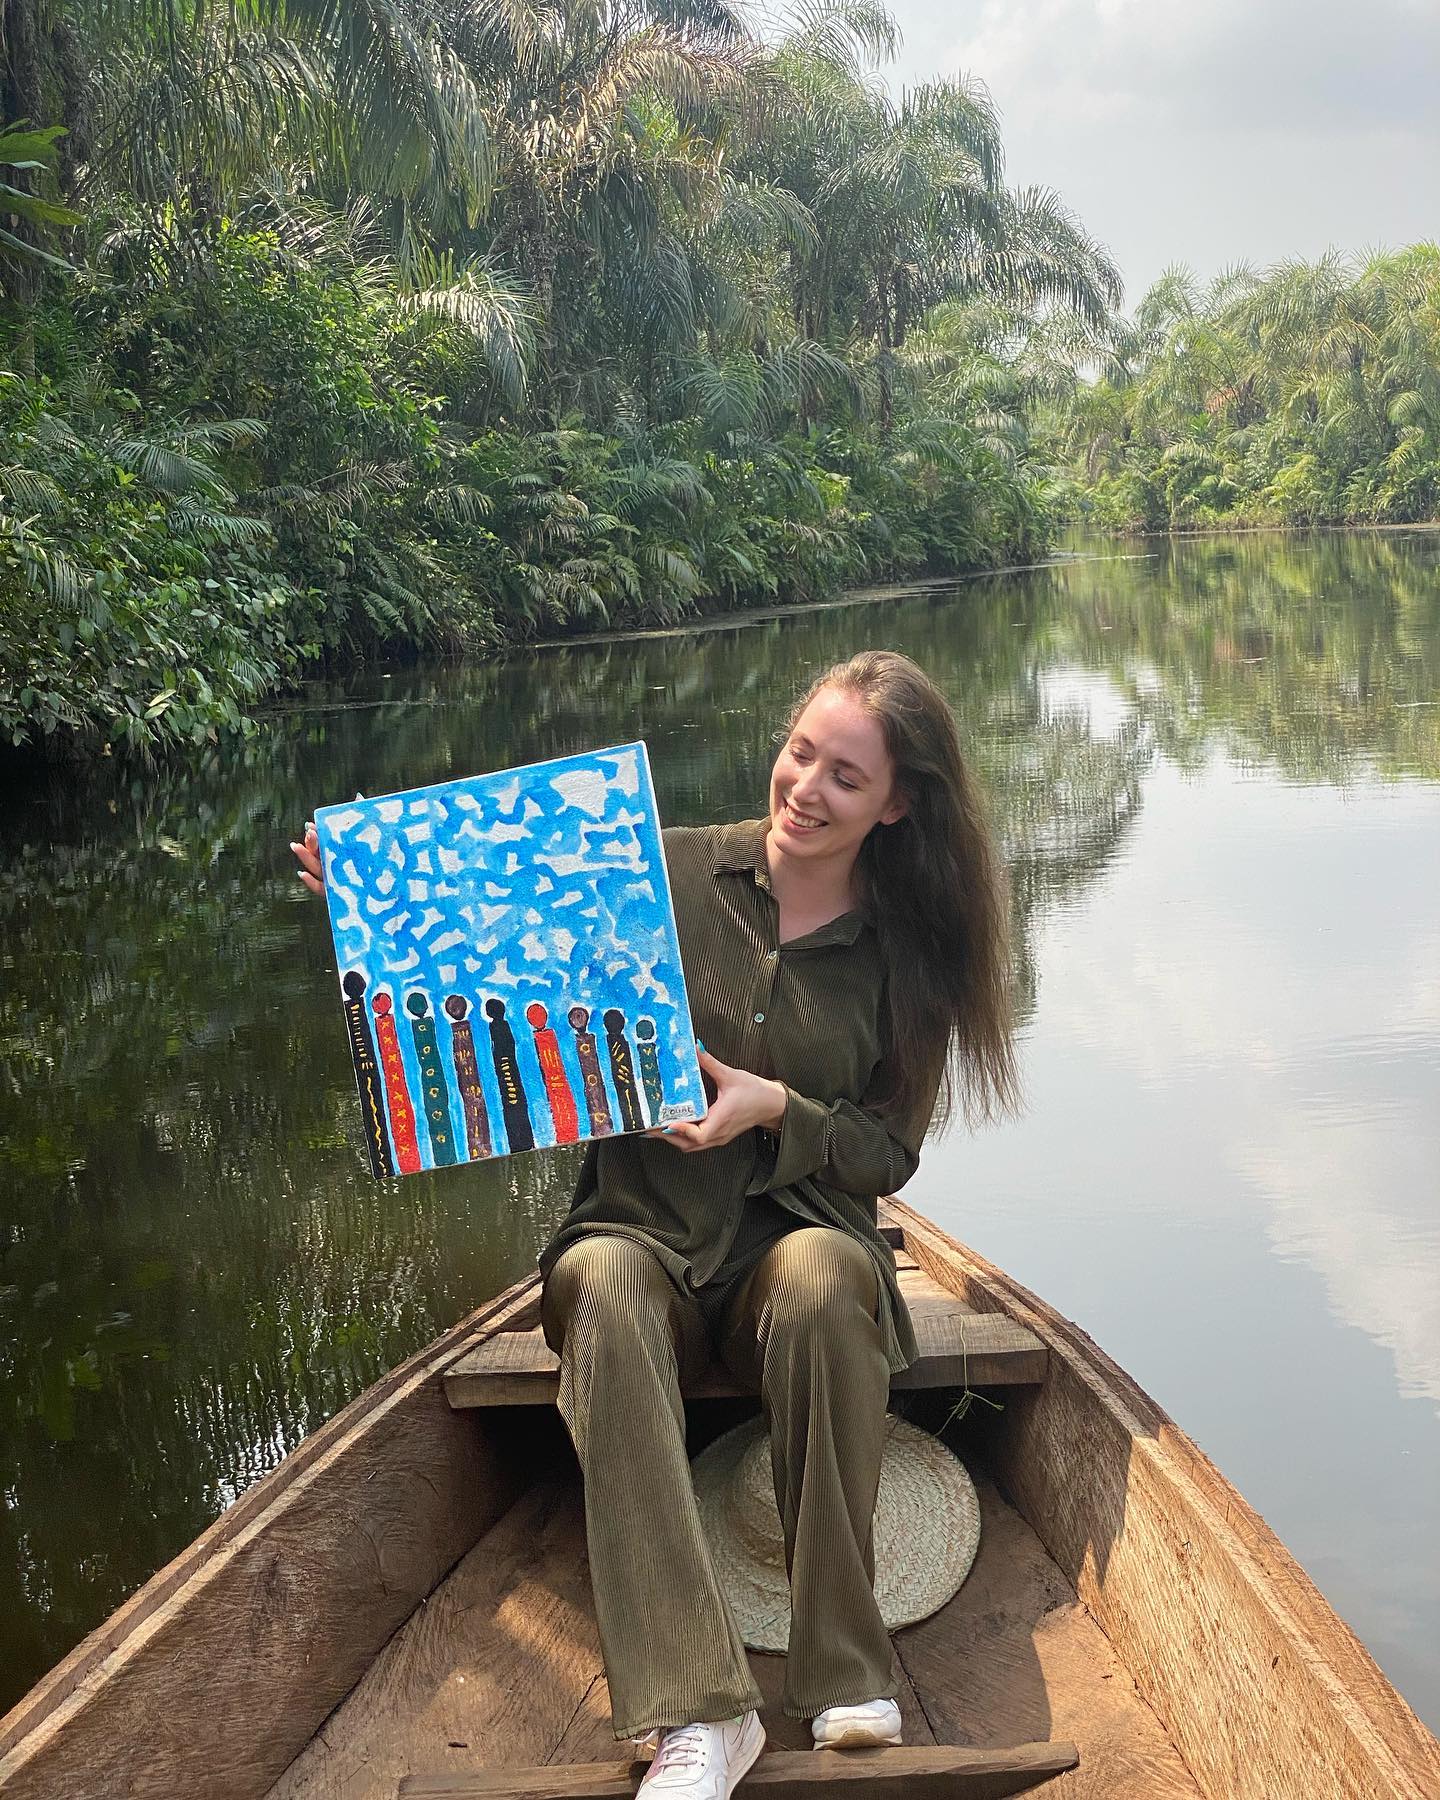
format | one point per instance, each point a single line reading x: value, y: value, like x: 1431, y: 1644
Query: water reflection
x: 194, y: 1269
x: 1228, y: 1172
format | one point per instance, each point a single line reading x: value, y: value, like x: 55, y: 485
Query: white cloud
x: 1272, y: 64
x: 1359, y: 1212
x: 1208, y: 132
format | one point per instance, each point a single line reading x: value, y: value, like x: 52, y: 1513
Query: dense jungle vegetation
x: 334, y: 329
x: 1309, y: 394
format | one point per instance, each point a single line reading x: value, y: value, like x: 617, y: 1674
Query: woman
x: 847, y: 965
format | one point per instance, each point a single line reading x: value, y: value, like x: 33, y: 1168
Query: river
x: 1216, y: 767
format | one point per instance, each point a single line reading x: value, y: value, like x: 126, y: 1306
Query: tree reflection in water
x: 195, y: 1270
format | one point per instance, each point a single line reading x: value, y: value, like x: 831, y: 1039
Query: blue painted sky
x: 545, y: 883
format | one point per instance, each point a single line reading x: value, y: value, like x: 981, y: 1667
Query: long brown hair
x: 935, y: 883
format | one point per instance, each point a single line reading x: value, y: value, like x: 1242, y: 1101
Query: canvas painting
x: 508, y: 962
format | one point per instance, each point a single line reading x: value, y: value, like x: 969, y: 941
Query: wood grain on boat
x: 484, y: 1674
x: 212, y: 1678
x: 591, y: 1739
x: 924, y: 1773
x: 958, y: 1347
x: 491, y: 1670
x: 407, y: 1596
x: 1262, y: 1689
x: 1014, y: 1657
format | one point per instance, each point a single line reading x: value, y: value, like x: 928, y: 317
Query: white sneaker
x: 703, y: 1762
x: 848, y: 1727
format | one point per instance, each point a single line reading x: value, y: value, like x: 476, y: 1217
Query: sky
x: 1212, y: 132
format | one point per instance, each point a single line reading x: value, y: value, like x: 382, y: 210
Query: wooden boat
x: 402, y: 1606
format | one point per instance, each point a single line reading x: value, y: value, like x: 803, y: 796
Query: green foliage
x: 410, y: 330
x: 25, y: 155
x: 1305, y: 396
x: 136, y: 606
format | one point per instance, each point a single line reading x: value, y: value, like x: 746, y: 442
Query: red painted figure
x: 557, y: 1083
x: 397, y: 1094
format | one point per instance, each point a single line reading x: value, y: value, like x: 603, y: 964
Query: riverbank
x: 858, y: 596
x: 281, y: 464
x: 136, y: 623
x: 1302, y: 394
x: 1220, y: 529
x: 187, y: 643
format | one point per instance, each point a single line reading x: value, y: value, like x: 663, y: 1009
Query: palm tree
x: 911, y: 210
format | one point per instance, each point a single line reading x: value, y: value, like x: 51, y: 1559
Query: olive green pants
x: 800, y: 1328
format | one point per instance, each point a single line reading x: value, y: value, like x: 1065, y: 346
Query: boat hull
x: 318, y: 1584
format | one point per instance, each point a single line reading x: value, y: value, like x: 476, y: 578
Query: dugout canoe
x: 402, y: 1606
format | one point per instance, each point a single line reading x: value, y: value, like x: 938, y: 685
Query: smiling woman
x: 873, y: 805
x: 841, y: 955
x: 832, y: 783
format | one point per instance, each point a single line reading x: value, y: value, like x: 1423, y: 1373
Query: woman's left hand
x: 742, y: 1102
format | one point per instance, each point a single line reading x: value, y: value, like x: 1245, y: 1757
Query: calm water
x: 1217, y: 769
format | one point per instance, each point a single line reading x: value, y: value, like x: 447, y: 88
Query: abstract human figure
x: 397, y: 1091
x: 597, y: 1101
x: 519, y: 1133
x: 467, y: 1077
x: 557, y: 1082
x: 367, y: 1075
x: 434, y: 1088
x: 622, y: 1068
x: 649, y: 1052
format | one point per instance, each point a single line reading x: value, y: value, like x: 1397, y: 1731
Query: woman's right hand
x: 307, y: 854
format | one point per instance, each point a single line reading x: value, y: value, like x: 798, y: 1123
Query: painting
x: 508, y: 962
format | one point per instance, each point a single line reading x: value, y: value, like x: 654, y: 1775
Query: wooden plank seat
x: 958, y: 1347
x: 921, y: 1772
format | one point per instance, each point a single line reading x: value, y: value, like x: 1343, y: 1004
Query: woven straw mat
x: 927, y: 1529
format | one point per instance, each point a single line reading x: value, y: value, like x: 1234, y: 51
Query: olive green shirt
x: 807, y: 1013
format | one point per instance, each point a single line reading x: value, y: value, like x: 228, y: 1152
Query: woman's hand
x: 742, y: 1102
x: 307, y: 854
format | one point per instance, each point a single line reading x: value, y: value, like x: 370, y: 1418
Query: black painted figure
x: 367, y: 1075
x: 649, y: 1052
x: 622, y: 1068
x: 519, y: 1133
x: 597, y: 1101
x: 434, y: 1088
x: 467, y: 1077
